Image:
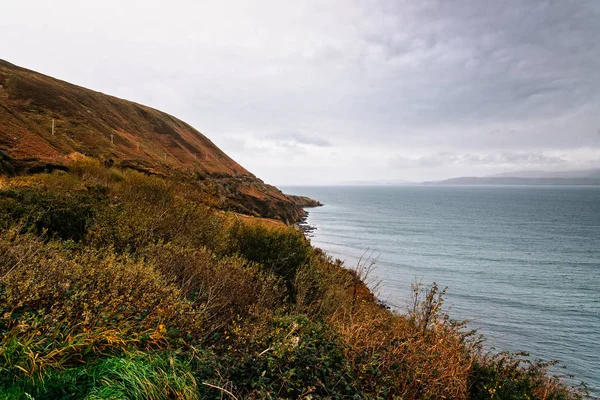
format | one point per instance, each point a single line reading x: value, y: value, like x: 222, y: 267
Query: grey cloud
x: 488, y: 61
x: 443, y: 159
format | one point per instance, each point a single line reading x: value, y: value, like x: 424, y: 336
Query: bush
x: 56, y: 215
x: 282, y: 251
x: 67, y: 306
x: 294, y: 358
x: 225, y: 289
x: 93, y: 173
x: 322, y: 287
x: 513, y: 376
x: 145, y: 210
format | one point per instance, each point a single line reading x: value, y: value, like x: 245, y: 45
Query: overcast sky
x: 317, y: 92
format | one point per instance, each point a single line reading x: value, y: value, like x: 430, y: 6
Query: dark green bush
x: 282, y: 251
x: 508, y: 376
x: 56, y: 214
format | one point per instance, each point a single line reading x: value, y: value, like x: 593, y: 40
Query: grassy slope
x: 115, y: 284
x: 85, y: 121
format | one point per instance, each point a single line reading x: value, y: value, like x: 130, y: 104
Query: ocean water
x: 521, y: 263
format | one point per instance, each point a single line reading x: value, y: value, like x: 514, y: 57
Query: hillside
x: 119, y: 132
x: 116, y: 284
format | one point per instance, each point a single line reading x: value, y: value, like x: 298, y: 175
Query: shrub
x: 294, y: 358
x: 61, y: 215
x: 282, y: 251
x: 393, y: 357
x: 58, y: 307
x: 224, y: 289
x: 322, y: 287
x: 513, y: 376
x: 146, y: 210
x: 91, y: 172
x: 115, y: 284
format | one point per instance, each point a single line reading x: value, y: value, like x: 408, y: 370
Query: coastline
x: 441, y: 246
x: 302, y: 222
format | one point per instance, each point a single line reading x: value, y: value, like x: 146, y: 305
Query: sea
x: 521, y: 263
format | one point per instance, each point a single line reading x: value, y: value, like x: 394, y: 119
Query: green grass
x: 135, y: 375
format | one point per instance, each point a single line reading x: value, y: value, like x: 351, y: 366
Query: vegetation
x: 119, y: 285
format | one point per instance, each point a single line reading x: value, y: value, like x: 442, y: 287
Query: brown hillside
x: 118, y: 132
x: 85, y: 120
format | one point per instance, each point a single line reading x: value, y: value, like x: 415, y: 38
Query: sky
x: 326, y: 92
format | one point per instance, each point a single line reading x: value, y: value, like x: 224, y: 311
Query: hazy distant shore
x: 506, y: 181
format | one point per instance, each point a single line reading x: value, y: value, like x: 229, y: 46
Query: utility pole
x: 52, y: 126
x: 165, y: 156
x: 112, y: 138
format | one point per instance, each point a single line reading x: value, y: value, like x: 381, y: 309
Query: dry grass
x: 390, y: 354
x: 224, y: 290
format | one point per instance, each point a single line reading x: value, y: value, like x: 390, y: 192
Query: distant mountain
x: 586, y: 173
x: 501, y: 180
x: 576, y: 177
